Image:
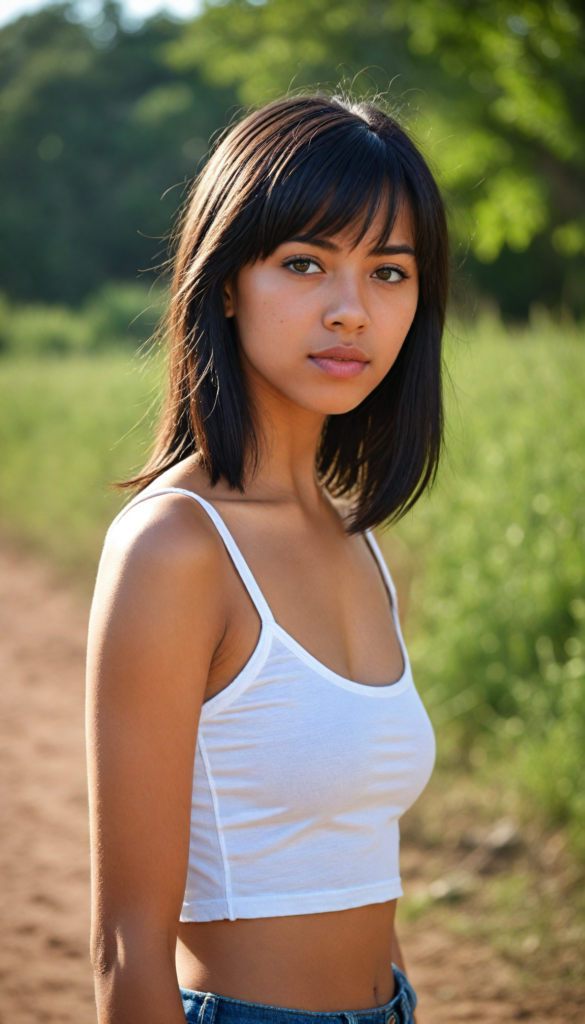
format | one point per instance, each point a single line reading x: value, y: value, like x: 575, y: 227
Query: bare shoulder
x: 163, y: 555
x: 168, y: 534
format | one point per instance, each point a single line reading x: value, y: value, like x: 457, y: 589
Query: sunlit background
x: 107, y: 112
x: 133, y: 13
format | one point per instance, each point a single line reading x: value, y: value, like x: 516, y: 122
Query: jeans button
x: 391, y: 1019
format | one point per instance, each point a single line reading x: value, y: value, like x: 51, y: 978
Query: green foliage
x: 494, y: 90
x: 499, y: 644
x: 123, y: 312
x: 68, y: 427
x: 119, y: 313
x: 30, y: 330
x: 97, y: 139
x: 101, y: 127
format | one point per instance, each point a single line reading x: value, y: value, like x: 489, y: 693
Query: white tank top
x: 300, y: 777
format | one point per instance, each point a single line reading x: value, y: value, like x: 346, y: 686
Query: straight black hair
x: 308, y: 165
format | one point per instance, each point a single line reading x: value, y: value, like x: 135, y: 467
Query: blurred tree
x: 98, y: 122
x: 497, y: 91
x: 94, y: 128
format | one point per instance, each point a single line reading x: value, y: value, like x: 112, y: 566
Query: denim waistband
x: 207, y: 1008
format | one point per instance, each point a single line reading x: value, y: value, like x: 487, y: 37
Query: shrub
x: 122, y: 312
x: 499, y: 631
x: 34, y: 330
x: 119, y: 314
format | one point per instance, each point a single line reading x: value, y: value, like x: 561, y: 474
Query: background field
x: 496, y: 554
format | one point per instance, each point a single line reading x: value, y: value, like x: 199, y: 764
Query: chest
x: 327, y: 591
x: 300, y: 739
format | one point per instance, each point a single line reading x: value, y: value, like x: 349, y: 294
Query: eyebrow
x: 319, y: 243
x: 394, y: 250
x: 385, y: 250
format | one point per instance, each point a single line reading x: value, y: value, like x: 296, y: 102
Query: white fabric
x: 300, y: 777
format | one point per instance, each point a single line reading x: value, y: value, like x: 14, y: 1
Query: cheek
x: 271, y: 327
x: 394, y: 325
x: 405, y: 314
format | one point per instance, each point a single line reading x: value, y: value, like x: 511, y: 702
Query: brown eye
x: 389, y: 274
x: 303, y: 265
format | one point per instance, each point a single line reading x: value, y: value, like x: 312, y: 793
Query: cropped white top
x: 300, y: 777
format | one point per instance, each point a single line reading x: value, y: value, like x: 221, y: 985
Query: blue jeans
x: 205, y: 1008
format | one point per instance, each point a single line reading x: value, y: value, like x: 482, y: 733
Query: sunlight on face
x: 321, y: 322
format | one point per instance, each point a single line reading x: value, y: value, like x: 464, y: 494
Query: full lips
x: 342, y: 369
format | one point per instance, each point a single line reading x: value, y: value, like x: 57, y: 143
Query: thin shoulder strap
x: 391, y: 589
x: 232, y: 548
x: 384, y: 571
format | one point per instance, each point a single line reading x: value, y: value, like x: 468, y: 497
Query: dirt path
x: 44, y: 968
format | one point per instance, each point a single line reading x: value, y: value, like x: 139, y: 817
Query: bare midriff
x: 321, y: 962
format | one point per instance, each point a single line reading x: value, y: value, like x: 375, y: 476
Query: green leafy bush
x: 120, y: 313
x: 499, y: 639
x: 32, y: 330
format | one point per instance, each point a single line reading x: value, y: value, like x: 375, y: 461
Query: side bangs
x: 339, y: 182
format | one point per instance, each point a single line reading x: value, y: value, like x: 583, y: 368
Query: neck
x: 288, y: 436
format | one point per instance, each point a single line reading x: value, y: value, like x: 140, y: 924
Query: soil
x: 458, y: 968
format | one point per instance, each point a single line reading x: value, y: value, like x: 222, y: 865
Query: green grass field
x: 497, y: 623
x: 68, y: 428
x: 498, y: 638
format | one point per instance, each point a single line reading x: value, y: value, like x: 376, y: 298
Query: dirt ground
x: 45, y: 973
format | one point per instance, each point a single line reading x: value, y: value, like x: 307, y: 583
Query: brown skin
x: 172, y: 625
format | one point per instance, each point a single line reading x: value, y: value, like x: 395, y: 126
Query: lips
x: 340, y: 361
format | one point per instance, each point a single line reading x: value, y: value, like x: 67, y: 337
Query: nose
x: 346, y: 312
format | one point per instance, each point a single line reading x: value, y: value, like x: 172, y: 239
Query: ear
x: 228, y: 296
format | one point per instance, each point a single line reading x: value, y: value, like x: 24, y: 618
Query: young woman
x: 254, y: 730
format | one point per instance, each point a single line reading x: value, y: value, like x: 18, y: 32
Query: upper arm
x: 156, y: 620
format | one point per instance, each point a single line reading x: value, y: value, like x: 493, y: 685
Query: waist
x: 318, y: 962
x: 208, y: 1008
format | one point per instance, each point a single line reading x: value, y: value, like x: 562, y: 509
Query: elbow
x: 105, y: 952
x: 130, y: 946
x: 134, y: 971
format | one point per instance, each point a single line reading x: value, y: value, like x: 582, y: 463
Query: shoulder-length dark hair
x: 324, y: 164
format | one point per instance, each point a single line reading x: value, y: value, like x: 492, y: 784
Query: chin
x: 332, y: 407
x: 331, y: 398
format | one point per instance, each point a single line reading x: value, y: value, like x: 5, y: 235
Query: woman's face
x: 322, y: 321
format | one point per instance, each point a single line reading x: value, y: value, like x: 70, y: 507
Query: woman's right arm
x: 157, y: 618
